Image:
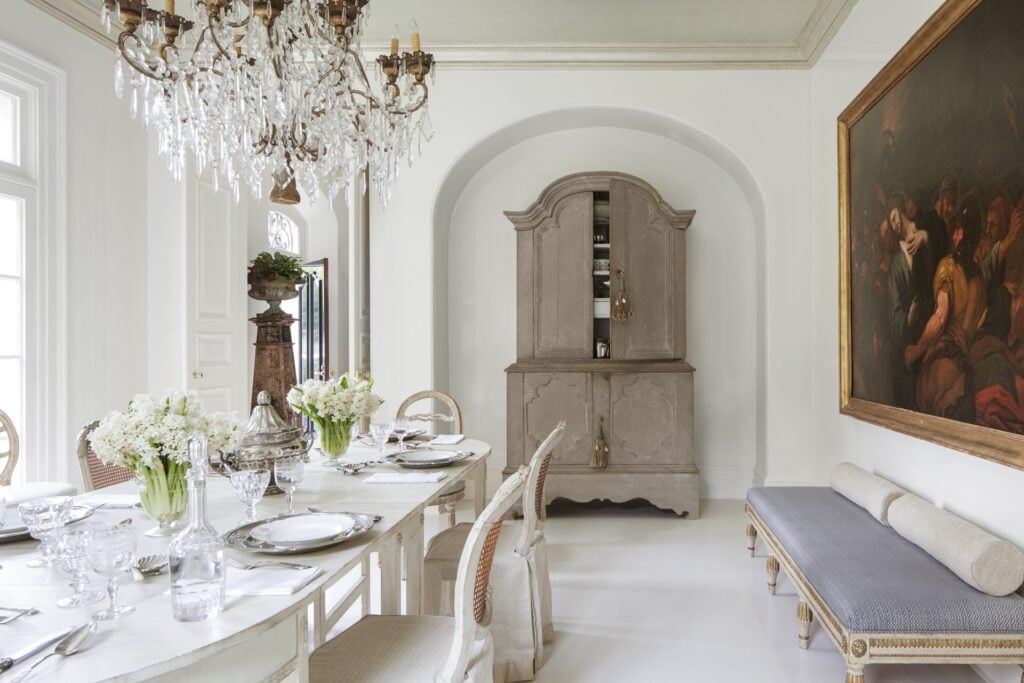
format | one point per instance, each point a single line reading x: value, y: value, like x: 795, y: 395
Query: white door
x: 215, y: 310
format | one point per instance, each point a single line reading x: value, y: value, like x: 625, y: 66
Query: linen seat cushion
x: 20, y: 493
x: 395, y: 649
x: 872, y: 579
x: 521, y: 619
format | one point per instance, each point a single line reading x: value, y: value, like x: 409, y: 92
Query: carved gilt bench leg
x: 855, y: 675
x: 751, y: 539
x: 772, y: 567
x: 804, y: 617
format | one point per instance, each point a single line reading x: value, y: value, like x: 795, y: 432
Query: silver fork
x: 269, y: 563
x: 20, y: 613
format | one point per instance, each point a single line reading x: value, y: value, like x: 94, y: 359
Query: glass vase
x: 335, y: 438
x: 163, y: 494
x: 196, y: 556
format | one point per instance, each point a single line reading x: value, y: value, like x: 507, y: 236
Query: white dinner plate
x: 424, y: 456
x: 302, y: 529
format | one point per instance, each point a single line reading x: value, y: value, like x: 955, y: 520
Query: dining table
x: 256, y: 637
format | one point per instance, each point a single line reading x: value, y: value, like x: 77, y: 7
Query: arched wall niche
x: 694, y: 144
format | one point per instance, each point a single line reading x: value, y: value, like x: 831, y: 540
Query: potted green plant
x: 274, y: 277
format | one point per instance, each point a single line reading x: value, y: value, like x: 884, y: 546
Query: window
x: 12, y: 309
x: 282, y: 233
x: 10, y: 133
x: 33, y: 264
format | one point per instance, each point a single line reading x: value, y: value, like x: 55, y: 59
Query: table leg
x: 389, y: 558
x: 413, y: 554
x: 480, y: 487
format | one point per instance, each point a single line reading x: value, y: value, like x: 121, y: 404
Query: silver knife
x: 29, y: 650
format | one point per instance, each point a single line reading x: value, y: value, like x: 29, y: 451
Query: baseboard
x: 726, y: 483
x: 998, y: 673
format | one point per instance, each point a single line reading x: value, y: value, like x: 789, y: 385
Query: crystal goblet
x: 110, y: 553
x: 380, y: 433
x: 72, y: 542
x: 250, y: 486
x: 400, y: 428
x: 42, y: 516
x: 288, y: 474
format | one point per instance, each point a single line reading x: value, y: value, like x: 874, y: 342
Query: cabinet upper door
x: 648, y: 245
x: 561, y: 302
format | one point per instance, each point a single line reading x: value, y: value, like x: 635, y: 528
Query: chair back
x: 454, y: 417
x: 8, y: 449
x: 96, y: 474
x: 472, y: 583
x: 534, y: 510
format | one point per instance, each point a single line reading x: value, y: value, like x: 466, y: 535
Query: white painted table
x: 257, y: 638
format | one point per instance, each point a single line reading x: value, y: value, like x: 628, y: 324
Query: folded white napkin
x: 406, y: 478
x: 269, y: 580
x: 447, y: 439
x: 108, y: 500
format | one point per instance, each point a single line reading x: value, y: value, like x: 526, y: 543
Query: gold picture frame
x: 983, y: 441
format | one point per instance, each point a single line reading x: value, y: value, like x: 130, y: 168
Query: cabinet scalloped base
x: 668, y: 491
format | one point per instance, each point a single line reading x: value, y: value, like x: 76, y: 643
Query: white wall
x: 106, y: 219
x: 759, y: 117
x: 720, y: 278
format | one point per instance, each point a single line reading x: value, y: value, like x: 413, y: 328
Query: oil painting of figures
x: 934, y: 221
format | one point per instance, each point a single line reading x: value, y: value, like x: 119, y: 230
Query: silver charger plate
x: 430, y: 464
x: 15, y: 534
x: 240, y: 537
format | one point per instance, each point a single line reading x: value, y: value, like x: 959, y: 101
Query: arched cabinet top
x: 543, y: 209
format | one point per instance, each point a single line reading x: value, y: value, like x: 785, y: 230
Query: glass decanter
x: 196, y: 555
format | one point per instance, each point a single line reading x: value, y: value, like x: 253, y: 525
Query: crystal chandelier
x: 258, y: 88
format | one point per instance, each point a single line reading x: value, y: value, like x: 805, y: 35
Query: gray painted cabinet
x: 641, y: 395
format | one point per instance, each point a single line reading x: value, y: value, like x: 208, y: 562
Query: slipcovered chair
x: 430, y: 649
x: 96, y: 474
x: 451, y: 495
x: 522, y: 606
x: 9, y: 451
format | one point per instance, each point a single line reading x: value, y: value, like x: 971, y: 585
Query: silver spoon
x: 149, y: 565
x: 71, y: 644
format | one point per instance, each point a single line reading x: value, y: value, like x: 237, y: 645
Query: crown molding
x: 821, y: 27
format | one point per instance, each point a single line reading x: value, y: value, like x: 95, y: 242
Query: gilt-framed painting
x: 931, y: 194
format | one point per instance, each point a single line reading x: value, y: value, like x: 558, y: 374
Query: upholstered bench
x: 880, y: 598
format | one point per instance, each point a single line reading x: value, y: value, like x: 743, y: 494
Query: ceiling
x: 587, y: 33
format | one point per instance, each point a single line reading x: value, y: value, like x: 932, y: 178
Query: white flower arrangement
x: 154, y: 432
x: 341, y: 400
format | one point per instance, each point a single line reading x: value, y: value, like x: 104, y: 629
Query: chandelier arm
x: 359, y: 65
x: 419, y: 105
x: 244, y: 22
x: 142, y: 68
x: 216, y: 40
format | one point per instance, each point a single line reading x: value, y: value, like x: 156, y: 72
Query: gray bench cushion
x: 872, y: 579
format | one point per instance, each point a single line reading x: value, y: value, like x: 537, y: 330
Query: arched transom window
x: 282, y: 232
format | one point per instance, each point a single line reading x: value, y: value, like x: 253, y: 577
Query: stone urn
x: 273, y: 292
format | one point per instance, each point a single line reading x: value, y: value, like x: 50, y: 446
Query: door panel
x: 215, y: 316
x: 649, y: 250
x: 651, y: 418
x: 563, y: 291
x: 550, y: 397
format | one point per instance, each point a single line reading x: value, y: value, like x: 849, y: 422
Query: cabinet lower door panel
x: 554, y: 396
x: 651, y: 419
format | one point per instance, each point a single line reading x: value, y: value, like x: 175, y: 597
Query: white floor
x: 641, y: 595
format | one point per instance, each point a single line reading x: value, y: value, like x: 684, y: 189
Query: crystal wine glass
x: 401, y: 428
x: 288, y: 475
x: 72, y: 543
x: 380, y: 433
x: 110, y: 553
x: 250, y: 486
x: 42, y: 516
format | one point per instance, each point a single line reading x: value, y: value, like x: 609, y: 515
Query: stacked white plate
x: 303, y: 530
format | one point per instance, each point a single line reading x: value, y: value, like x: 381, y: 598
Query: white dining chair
x: 429, y: 649
x: 452, y: 493
x: 97, y: 474
x: 522, y: 620
x: 14, y: 494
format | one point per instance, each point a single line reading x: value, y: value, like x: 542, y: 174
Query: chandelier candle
x: 273, y: 89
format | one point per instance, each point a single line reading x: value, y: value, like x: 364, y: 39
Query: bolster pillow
x: 867, y: 490
x: 982, y: 560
